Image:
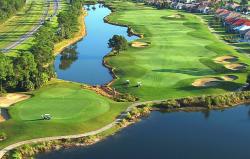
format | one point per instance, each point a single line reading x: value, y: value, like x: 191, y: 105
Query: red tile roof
x: 240, y: 22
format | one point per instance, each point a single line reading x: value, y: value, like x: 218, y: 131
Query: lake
x: 82, y: 62
x: 178, y: 135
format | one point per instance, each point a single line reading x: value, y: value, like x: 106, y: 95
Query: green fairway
x: 21, y: 23
x: 18, y: 25
x: 73, y: 111
x: 181, y: 50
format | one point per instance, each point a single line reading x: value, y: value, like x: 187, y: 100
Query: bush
x: 222, y: 100
x: 3, y: 136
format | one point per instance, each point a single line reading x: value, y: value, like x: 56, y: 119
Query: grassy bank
x: 74, y: 111
x: 24, y: 21
x: 59, y: 47
x: 181, y: 50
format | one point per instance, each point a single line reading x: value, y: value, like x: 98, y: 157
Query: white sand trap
x: 236, y: 66
x: 1, y: 120
x: 12, y: 98
x: 229, y: 77
x: 139, y: 44
x: 226, y: 59
x: 178, y: 16
x: 206, y: 82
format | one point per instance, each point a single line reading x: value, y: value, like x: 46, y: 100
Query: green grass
x: 74, y: 110
x: 181, y: 51
x: 23, y: 22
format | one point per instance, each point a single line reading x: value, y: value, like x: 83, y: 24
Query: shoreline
x: 93, y: 137
x: 59, y: 47
x: 105, y: 63
x: 99, y: 89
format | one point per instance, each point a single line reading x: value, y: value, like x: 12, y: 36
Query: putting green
x: 73, y: 110
x: 70, y: 103
x: 181, y: 50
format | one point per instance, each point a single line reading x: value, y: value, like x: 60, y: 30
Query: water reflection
x: 68, y: 56
x: 84, y: 62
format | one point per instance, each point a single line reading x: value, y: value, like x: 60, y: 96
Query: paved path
x: 118, y: 120
x: 34, y: 29
x: 13, y: 146
x: 122, y: 116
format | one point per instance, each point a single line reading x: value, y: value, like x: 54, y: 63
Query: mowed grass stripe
x: 172, y: 62
x: 22, y: 23
x: 74, y: 110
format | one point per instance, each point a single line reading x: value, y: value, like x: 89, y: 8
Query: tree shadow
x: 34, y: 119
x: 188, y: 71
x: 224, y: 85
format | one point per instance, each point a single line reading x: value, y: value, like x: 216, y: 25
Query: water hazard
x: 82, y: 62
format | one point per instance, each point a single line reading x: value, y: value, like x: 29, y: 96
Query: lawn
x: 74, y: 110
x: 23, y: 22
x: 181, y: 50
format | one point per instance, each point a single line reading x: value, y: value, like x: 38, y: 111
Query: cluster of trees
x: 214, y: 101
x: 9, y: 7
x: 30, y: 69
x: 34, y: 68
x: 68, y: 20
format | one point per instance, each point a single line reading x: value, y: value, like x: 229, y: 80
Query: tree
x: 248, y: 79
x: 10, y: 7
x: 25, y: 68
x: 243, y: 2
x: 6, y: 69
x: 244, y: 6
x: 118, y: 43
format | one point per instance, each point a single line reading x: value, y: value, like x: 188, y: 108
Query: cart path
x: 95, y: 132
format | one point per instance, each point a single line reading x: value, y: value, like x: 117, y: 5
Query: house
x: 179, y: 6
x: 247, y: 36
x: 243, y: 30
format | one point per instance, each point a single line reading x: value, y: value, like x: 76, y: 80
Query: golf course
x: 74, y: 111
x: 178, y: 56
x: 181, y: 50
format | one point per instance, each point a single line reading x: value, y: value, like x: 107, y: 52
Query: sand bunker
x: 213, y: 81
x: 1, y: 119
x: 236, y: 66
x: 226, y: 59
x: 206, y: 82
x: 229, y: 77
x: 139, y: 44
x: 178, y: 16
x: 12, y: 98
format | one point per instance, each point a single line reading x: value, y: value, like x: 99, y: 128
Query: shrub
x: 3, y: 136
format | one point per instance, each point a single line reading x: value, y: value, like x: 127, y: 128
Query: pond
x: 177, y: 135
x: 82, y: 62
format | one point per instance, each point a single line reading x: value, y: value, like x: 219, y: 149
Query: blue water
x: 179, y: 135
x: 87, y: 66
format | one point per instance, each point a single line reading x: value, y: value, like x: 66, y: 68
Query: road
x: 34, y: 29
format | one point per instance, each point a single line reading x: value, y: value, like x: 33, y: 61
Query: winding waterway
x: 82, y: 62
x: 179, y: 135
